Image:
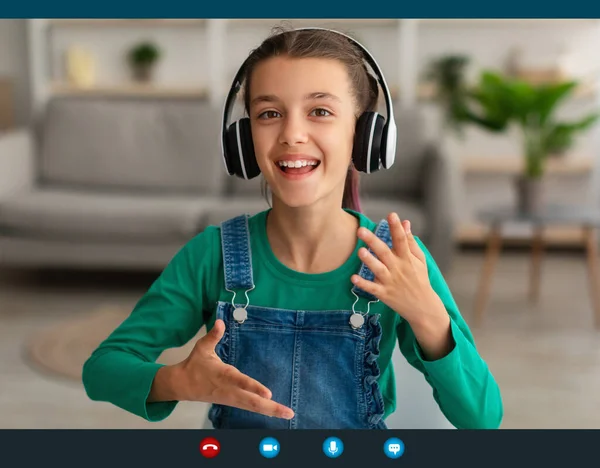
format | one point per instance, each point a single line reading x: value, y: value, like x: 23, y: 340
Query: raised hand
x: 401, y: 277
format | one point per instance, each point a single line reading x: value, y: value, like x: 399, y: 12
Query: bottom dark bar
x: 174, y: 448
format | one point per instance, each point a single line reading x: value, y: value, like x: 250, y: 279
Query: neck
x: 314, y: 239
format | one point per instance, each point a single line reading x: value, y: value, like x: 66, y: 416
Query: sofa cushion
x: 378, y: 208
x: 155, y: 144
x: 103, y: 216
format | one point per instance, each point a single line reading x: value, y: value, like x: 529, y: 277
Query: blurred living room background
x: 110, y: 161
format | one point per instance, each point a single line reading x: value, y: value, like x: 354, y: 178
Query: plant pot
x: 529, y: 194
x: 143, y: 73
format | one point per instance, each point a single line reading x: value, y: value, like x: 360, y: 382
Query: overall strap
x: 237, y: 256
x: 383, y: 233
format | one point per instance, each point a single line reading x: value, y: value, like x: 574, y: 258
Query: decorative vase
x: 529, y: 194
x: 80, y: 67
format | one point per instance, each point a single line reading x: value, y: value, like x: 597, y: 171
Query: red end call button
x: 210, y: 447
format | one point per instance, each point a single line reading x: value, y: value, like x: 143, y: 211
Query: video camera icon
x: 393, y: 448
x: 269, y: 447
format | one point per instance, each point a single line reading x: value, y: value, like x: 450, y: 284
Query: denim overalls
x: 321, y: 364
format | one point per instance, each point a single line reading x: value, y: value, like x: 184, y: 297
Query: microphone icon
x: 333, y: 447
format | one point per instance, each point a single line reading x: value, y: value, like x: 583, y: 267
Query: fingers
x: 248, y: 401
x: 212, y: 338
x: 412, y: 243
x: 377, y: 267
x: 368, y: 286
x: 234, y: 378
x: 379, y: 248
x: 399, y: 237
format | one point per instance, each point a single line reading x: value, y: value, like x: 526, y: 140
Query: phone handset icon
x: 210, y: 447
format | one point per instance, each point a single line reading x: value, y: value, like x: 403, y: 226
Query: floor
x: 546, y: 358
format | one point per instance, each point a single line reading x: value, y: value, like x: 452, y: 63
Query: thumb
x: 212, y: 338
x: 412, y: 242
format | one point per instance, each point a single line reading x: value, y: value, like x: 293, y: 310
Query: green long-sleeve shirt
x: 183, y: 299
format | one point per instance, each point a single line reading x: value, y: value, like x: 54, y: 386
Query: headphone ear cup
x: 232, y: 154
x: 359, y: 149
x: 252, y: 169
x: 366, y: 152
x: 240, y: 155
x: 383, y: 147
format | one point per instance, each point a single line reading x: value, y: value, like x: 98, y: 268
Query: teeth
x: 299, y: 163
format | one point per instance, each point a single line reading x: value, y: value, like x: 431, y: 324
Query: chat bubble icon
x: 394, y: 448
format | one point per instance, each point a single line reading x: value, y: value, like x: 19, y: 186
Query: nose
x: 293, y: 130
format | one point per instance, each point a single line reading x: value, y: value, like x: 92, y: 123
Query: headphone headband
x: 389, y: 132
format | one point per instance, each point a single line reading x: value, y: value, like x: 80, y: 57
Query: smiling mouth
x: 298, y: 167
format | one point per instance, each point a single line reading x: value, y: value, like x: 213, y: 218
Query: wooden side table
x: 587, y: 218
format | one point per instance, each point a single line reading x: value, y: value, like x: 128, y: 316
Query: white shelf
x: 584, y: 91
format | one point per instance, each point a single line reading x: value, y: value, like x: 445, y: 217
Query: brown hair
x: 320, y: 44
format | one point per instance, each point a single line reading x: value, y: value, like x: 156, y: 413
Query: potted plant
x: 445, y: 84
x: 498, y: 102
x: 447, y: 76
x: 142, y: 58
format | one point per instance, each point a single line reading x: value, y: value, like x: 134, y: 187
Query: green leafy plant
x: 498, y: 102
x: 144, y: 54
x: 447, y: 74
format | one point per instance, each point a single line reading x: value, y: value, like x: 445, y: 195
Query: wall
x: 208, y: 54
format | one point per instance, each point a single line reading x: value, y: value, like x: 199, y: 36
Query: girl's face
x: 302, y: 115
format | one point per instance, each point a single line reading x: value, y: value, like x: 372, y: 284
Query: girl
x: 304, y: 302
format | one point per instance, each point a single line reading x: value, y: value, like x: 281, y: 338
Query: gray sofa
x: 124, y: 183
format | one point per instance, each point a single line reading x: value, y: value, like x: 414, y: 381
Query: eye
x: 270, y: 114
x: 320, y: 112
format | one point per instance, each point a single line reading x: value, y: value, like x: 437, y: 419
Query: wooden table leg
x: 494, y: 244
x: 594, y: 279
x: 537, y: 250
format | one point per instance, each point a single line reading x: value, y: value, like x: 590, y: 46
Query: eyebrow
x: 308, y: 97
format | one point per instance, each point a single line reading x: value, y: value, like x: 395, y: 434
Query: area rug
x: 62, y: 349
